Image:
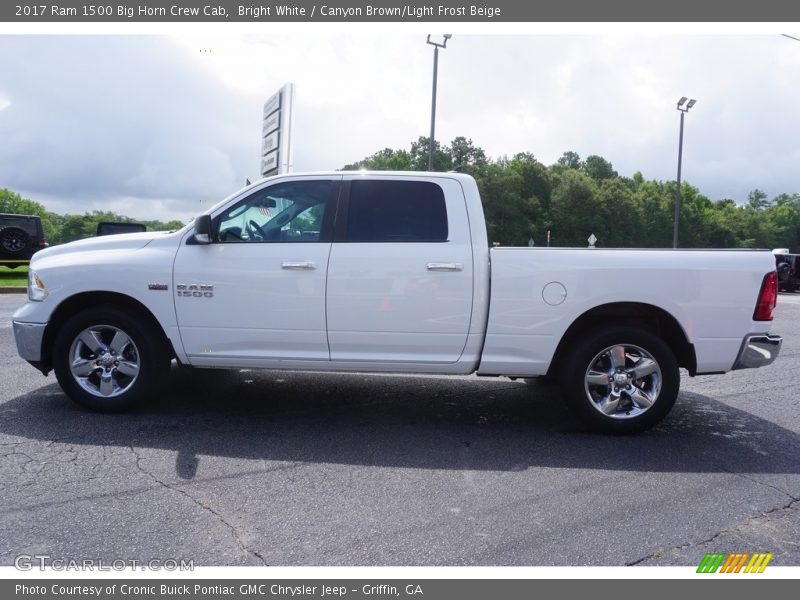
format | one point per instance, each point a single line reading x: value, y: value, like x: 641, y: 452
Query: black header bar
x: 339, y: 11
x: 390, y: 589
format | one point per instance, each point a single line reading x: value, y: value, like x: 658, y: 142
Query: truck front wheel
x: 621, y: 379
x: 108, y: 360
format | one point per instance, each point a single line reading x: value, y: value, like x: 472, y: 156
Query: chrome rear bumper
x: 758, y: 350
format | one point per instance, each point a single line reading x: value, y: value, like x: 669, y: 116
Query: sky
x: 159, y: 127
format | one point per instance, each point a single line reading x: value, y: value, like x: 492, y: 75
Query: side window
x: 293, y: 211
x: 396, y: 211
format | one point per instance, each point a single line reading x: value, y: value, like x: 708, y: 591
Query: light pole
x: 683, y: 107
x: 436, y: 46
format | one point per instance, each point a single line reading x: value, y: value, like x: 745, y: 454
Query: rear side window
x: 396, y: 211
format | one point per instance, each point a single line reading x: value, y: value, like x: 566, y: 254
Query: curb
x: 7, y: 289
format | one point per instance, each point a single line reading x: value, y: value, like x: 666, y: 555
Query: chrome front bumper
x: 29, y: 340
x: 758, y: 350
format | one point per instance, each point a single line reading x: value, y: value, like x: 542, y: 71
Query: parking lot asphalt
x: 287, y: 468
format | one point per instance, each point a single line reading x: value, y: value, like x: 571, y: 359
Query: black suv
x: 20, y: 237
x: 788, y: 267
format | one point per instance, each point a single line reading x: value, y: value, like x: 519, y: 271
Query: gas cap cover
x: 554, y: 293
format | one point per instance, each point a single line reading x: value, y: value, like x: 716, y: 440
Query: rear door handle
x: 298, y: 265
x: 441, y: 266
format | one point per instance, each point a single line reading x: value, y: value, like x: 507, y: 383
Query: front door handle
x: 298, y: 265
x: 441, y: 266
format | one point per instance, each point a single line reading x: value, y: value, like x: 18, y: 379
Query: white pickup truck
x: 390, y: 272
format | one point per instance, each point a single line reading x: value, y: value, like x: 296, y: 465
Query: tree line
x: 59, y: 229
x: 525, y: 199
x: 573, y: 198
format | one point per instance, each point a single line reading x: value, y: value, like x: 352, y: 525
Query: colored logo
x: 735, y: 562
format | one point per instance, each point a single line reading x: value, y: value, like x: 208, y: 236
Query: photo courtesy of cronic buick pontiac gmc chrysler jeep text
x: 390, y: 272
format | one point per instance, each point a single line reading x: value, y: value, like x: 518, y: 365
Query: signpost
x: 276, y: 132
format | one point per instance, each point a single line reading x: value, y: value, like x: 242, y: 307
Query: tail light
x: 767, y: 298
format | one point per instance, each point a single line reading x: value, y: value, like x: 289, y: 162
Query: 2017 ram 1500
x: 390, y: 272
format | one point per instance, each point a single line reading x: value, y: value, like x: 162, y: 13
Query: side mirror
x: 202, y: 229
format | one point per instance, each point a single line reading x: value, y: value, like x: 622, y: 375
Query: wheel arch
x: 74, y: 304
x: 648, y: 316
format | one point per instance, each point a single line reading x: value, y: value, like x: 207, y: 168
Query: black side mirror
x: 202, y: 229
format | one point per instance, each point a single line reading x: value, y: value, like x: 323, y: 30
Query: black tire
x: 145, y: 349
x: 14, y: 241
x: 591, y: 382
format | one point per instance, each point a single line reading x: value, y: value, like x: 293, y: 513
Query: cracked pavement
x: 203, y: 505
x: 284, y: 468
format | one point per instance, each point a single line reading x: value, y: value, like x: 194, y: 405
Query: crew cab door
x: 400, y: 273
x: 257, y: 292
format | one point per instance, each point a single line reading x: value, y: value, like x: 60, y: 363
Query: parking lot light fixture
x: 436, y: 45
x: 683, y: 107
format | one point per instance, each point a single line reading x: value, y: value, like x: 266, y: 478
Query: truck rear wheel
x: 108, y: 360
x: 621, y: 379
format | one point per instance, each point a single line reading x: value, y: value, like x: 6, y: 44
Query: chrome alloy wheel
x: 623, y: 381
x: 104, y: 361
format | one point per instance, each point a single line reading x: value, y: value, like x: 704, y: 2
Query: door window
x: 396, y: 211
x: 294, y: 211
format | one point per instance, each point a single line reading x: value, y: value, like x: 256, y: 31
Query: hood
x: 120, y: 241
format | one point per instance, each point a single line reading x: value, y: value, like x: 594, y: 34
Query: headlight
x: 36, y: 289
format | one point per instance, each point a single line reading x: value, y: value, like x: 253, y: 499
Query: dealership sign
x: 276, y: 132
x: 269, y: 164
x: 270, y: 143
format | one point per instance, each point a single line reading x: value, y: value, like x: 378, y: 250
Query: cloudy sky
x: 159, y: 127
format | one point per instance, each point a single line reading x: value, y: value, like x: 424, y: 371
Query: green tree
x: 536, y: 180
x: 466, y: 157
x: 13, y: 203
x: 598, y: 168
x: 694, y: 230
x: 420, y: 150
x: 510, y: 217
x: 385, y: 160
x: 757, y: 199
x: 621, y: 217
x: 569, y: 160
x: 655, y: 202
x: 782, y: 225
x: 172, y: 225
x: 76, y: 227
x: 576, y: 210
x: 575, y: 198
